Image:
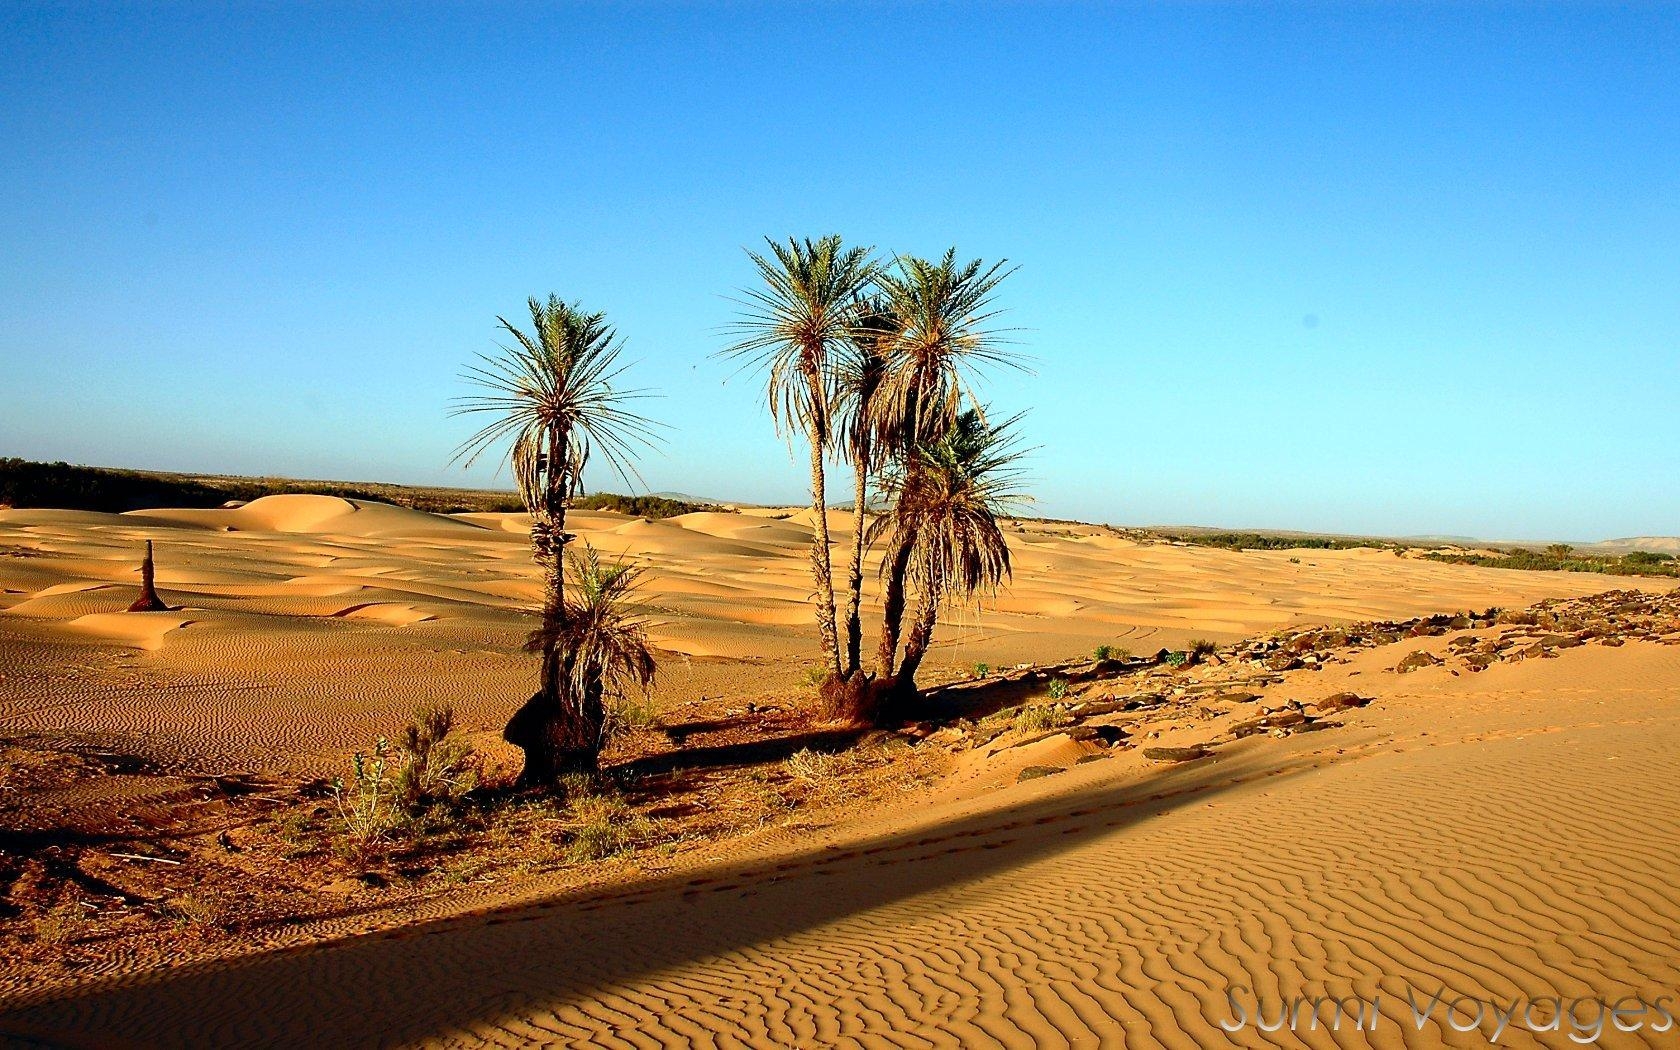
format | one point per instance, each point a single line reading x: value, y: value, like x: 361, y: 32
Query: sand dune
x: 1113, y: 905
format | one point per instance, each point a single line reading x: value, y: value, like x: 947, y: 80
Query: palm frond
x: 795, y: 321
x: 555, y: 397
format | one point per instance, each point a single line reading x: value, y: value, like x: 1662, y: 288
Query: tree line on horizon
x: 871, y: 364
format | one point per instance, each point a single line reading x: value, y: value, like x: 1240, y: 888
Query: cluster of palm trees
x: 871, y: 363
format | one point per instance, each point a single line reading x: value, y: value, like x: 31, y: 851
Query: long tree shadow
x: 445, y: 976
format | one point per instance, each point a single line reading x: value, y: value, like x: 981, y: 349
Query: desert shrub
x: 1560, y: 550
x: 367, y: 806
x: 630, y: 712
x: 433, y: 767
x: 812, y: 767
x: 1035, y: 718
x: 981, y: 670
x: 1646, y: 558
x: 1102, y: 652
x: 604, y: 826
x: 814, y: 677
x: 60, y: 924
x: 1057, y: 689
x: 1202, y: 647
x: 1177, y: 659
x: 190, y: 909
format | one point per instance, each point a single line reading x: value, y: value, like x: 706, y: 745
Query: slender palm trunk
x: 892, y: 615
x: 557, y: 732
x: 854, y: 579
x: 822, y: 568
x: 916, y: 643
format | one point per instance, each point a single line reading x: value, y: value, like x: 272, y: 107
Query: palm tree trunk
x: 822, y: 568
x: 854, y: 580
x: 916, y: 643
x: 892, y: 615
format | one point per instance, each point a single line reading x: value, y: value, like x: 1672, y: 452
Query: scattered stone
x: 1175, y: 754
x: 1035, y: 772
x: 1416, y: 660
x: 1341, y: 702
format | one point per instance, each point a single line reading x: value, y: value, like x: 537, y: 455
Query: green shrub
x: 1035, y: 718
x: 1058, y: 688
x: 367, y: 806
x: 1202, y: 647
x: 604, y: 826
x: 433, y: 767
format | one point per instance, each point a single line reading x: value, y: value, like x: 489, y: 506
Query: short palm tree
x: 603, y: 648
x: 555, y: 397
x: 944, y: 523
x: 793, y: 328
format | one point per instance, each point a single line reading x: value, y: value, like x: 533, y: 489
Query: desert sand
x: 1507, y: 832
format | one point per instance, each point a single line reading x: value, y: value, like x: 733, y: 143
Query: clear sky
x: 1361, y: 268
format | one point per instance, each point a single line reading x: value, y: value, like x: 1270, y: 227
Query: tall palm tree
x: 942, y: 312
x: 944, y: 519
x: 860, y: 375
x: 793, y: 328
x: 555, y: 399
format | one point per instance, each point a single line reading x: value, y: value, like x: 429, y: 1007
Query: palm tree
x: 603, y: 650
x: 942, y: 312
x: 943, y: 524
x: 860, y: 375
x: 793, y: 328
x: 556, y: 401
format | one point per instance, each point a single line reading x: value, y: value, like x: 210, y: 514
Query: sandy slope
x: 1502, y: 834
x: 307, y: 625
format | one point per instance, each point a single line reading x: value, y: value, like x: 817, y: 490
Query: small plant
x: 604, y: 826
x: 1200, y: 647
x: 814, y: 677
x: 190, y: 909
x: 1102, y: 652
x: 1035, y: 718
x: 812, y: 767
x: 367, y: 806
x: 631, y: 713
x: 61, y: 924
x: 1058, y: 688
x: 434, y: 768
x: 982, y: 670
x: 1177, y: 659
x: 1294, y: 561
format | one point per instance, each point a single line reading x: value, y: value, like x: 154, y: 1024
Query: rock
x: 1236, y: 696
x: 1035, y: 772
x: 1098, y: 757
x: 1282, y: 662
x: 1416, y: 660
x: 1559, y: 641
x: 1341, y: 702
x: 1175, y: 754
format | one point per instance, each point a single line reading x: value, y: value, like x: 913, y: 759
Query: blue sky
x: 1362, y: 268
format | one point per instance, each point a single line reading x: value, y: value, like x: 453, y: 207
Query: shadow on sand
x: 444, y: 976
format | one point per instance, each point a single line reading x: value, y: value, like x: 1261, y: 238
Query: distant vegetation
x: 66, y: 486
x: 1259, y: 541
x: 652, y: 507
x: 1563, y: 558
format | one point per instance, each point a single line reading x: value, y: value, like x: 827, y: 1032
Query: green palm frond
x: 943, y: 312
x: 554, y: 392
x: 794, y: 323
x: 946, y: 501
x: 858, y: 378
x: 603, y: 643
